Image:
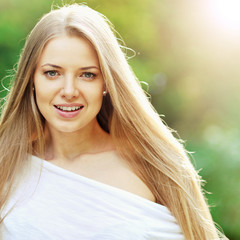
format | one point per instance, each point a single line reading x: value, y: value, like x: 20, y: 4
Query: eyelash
x: 56, y: 74
x: 47, y: 73
x: 93, y: 75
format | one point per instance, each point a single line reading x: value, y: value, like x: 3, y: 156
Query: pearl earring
x: 104, y: 93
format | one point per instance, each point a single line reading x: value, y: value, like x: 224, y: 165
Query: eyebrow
x: 56, y: 66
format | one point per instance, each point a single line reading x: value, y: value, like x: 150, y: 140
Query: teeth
x: 68, y: 109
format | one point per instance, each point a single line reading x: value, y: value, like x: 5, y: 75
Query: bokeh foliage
x: 191, y: 66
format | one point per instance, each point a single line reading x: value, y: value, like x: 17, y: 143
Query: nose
x: 69, y: 89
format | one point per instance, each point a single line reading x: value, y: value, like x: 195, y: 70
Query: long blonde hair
x: 138, y: 132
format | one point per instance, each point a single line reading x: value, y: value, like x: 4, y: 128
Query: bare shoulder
x: 123, y: 177
x: 109, y: 168
x: 132, y: 183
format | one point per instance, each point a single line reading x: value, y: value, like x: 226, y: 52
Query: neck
x: 68, y: 146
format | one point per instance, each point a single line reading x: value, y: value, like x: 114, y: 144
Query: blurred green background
x: 189, y: 53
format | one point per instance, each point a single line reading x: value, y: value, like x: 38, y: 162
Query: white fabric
x: 61, y: 205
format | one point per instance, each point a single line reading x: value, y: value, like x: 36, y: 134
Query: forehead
x: 69, y: 50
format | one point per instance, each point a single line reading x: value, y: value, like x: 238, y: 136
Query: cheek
x: 44, y: 91
x: 97, y: 98
x: 41, y: 102
x: 41, y: 94
x: 93, y: 93
x: 39, y: 89
x: 43, y: 98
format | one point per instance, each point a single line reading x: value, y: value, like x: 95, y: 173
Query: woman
x: 83, y: 154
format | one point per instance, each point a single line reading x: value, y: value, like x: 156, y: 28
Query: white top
x: 62, y: 205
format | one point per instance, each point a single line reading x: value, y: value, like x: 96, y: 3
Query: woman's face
x: 69, y: 84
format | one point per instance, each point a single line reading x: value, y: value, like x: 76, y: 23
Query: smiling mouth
x: 68, y: 109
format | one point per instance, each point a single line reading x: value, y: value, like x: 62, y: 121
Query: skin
x: 68, y: 74
x: 65, y: 74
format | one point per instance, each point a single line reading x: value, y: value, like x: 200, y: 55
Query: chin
x: 69, y: 128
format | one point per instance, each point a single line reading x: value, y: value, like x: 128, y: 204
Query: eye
x: 88, y: 75
x: 51, y: 74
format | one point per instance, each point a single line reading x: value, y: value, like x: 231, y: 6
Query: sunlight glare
x: 226, y: 12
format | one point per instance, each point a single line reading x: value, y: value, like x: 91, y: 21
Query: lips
x: 68, y: 110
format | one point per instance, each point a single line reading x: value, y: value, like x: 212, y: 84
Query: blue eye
x: 51, y: 73
x: 89, y: 75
